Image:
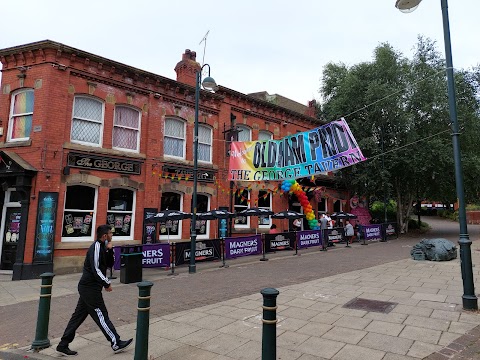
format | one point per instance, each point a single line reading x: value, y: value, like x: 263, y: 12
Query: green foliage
x: 473, y: 207
x: 397, y: 109
x: 422, y: 227
x: 377, y: 210
x: 448, y: 214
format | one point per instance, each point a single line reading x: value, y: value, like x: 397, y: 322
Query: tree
x: 398, y: 111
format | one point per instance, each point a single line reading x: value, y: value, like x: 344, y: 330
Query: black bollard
x: 269, y: 320
x: 141, y: 339
x: 41, y: 334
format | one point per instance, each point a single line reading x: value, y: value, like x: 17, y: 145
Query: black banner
x: 183, y: 172
x: 277, y: 242
x: 149, y: 235
x: 390, y: 230
x: 45, y: 228
x: 335, y: 235
x: 104, y: 163
x: 206, y: 250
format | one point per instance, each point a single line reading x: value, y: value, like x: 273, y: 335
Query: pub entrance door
x: 9, y: 229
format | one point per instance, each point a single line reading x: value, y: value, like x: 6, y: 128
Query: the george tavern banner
x: 317, y: 151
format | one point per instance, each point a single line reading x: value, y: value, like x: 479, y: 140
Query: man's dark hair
x: 103, y: 229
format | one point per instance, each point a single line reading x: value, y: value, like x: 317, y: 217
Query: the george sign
x: 181, y: 172
x: 149, y: 228
x: 326, y: 148
x: 45, y: 228
x: 242, y: 246
x: 104, y: 163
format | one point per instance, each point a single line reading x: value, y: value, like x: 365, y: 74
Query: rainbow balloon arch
x: 292, y: 186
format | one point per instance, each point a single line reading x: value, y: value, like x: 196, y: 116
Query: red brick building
x: 87, y: 141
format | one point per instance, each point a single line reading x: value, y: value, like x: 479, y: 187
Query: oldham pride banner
x: 317, y: 151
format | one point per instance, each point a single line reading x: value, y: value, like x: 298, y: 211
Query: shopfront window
x: 337, y: 206
x: 79, y: 213
x: 203, y: 205
x: 241, y: 203
x: 264, y: 201
x: 121, y: 203
x: 172, y: 229
x: 322, y: 206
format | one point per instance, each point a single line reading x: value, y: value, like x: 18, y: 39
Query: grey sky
x: 278, y: 46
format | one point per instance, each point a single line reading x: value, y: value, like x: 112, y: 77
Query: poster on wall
x: 45, y: 228
x: 149, y: 228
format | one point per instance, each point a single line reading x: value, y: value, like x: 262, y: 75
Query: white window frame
x: 94, y: 217
x: 7, y: 204
x: 270, y: 135
x: 325, y: 210
x: 207, y: 224
x: 184, y: 139
x: 244, y: 129
x: 211, y: 143
x: 127, y: 127
x: 165, y: 238
x: 12, y: 116
x: 266, y: 226
x: 90, y: 120
x: 247, y: 225
x: 132, y: 221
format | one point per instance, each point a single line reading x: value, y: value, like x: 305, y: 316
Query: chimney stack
x: 187, y: 68
x: 311, y: 109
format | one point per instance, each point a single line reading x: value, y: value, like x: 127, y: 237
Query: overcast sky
x: 278, y: 46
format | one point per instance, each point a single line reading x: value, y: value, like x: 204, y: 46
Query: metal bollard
x: 141, y: 339
x: 269, y: 330
x: 41, y: 334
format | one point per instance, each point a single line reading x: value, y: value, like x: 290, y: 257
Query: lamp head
x: 209, y: 84
x: 407, y: 6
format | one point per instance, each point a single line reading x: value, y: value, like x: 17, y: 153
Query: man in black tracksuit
x: 94, y: 279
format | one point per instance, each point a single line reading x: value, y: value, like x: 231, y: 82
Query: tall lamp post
x: 469, y: 299
x: 210, y: 85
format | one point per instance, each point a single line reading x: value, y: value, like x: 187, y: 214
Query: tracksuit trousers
x: 90, y: 303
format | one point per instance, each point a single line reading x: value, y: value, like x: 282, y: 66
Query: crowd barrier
x: 174, y: 254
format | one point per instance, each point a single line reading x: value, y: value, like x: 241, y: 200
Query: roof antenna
x: 204, y: 39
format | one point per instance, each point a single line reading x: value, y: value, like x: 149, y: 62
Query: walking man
x: 91, y: 300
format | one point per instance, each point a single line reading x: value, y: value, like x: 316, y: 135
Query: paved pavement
x: 216, y: 313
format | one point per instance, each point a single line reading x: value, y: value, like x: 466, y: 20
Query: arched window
x: 126, y: 129
x: 172, y: 229
x: 87, y: 121
x: 205, y: 143
x: 21, y: 115
x: 202, y: 226
x: 120, y: 215
x: 79, y: 213
x: 264, y: 135
x: 174, y: 138
x: 245, y: 133
x: 264, y: 201
x: 241, y: 203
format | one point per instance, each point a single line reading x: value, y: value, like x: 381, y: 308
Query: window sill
x: 98, y: 150
x: 12, y: 144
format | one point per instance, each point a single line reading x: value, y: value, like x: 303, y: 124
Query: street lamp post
x: 469, y: 298
x: 210, y: 85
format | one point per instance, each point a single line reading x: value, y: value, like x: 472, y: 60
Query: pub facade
x: 85, y: 141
